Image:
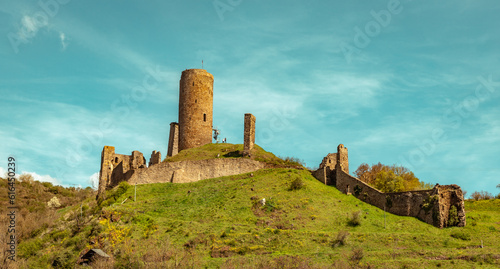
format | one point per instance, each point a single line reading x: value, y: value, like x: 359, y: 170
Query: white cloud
x: 30, y: 27
x: 94, y: 180
x: 44, y: 178
x: 64, y: 43
x: 3, y: 172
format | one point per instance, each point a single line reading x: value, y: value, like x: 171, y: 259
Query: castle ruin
x: 194, y: 129
x: 430, y: 206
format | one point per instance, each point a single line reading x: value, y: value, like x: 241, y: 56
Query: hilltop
x: 226, y: 150
x: 224, y: 223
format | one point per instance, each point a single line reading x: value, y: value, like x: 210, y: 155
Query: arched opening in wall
x: 116, y: 159
x: 193, y: 83
x: 347, y: 191
x: 195, y: 101
x: 204, y: 117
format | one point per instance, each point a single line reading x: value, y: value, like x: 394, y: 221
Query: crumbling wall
x: 155, y: 158
x: 173, y: 140
x: 116, y: 168
x: 249, y: 134
x: 431, y: 206
x: 342, y: 158
x: 191, y: 171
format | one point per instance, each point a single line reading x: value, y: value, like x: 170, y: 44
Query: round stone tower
x: 195, y: 108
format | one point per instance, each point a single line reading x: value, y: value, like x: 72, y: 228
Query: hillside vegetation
x: 225, y: 223
x: 226, y: 150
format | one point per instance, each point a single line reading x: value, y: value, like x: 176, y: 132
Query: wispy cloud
x: 29, y: 27
x: 64, y: 43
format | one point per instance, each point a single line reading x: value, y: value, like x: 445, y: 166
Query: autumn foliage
x: 390, y: 178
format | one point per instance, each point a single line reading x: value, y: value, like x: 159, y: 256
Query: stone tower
x: 342, y: 158
x: 195, y: 108
x: 249, y: 134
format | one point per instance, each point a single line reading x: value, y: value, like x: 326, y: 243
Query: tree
x: 388, y: 181
x: 390, y: 178
x: 482, y: 195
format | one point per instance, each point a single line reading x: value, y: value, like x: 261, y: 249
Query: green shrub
x: 357, y: 190
x: 29, y: 248
x: 357, y: 255
x: 271, y: 205
x: 59, y: 235
x: 297, y: 184
x: 47, y: 184
x: 355, y: 219
x: 461, y: 235
x: 63, y: 259
x: 453, y: 216
x: 341, y: 239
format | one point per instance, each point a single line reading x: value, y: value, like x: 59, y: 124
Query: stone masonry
x: 173, y: 140
x: 431, y: 206
x: 195, y: 108
x: 249, y: 134
x: 116, y: 168
x: 155, y: 158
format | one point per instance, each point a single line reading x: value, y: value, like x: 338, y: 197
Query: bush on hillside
x: 461, y: 235
x: 482, y: 195
x: 453, y: 216
x: 357, y: 255
x: 355, y: 219
x: 341, y: 239
x: 297, y: 184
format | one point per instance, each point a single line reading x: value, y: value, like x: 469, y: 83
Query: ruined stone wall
x: 424, y: 205
x: 249, y: 134
x: 342, y: 158
x: 195, y: 108
x: 155, y: 158
x: 191, y: 171
x: 116, y: 168
x: 173, y: 140
x: 431, y: 206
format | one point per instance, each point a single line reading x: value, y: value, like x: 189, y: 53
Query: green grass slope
x: 220, y: 223
x: 226, y: 150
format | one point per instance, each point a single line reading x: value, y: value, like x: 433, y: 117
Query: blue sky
x: 415, y: 83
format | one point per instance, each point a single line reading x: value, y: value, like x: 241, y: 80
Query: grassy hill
x: 223, y: 223
x: 226, y: 150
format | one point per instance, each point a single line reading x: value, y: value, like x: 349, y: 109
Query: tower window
x: 195, y: 101
x: 193, y: 83
x: 116, y: 159
x: 204, y: 117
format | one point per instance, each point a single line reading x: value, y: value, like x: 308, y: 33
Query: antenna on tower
x: 201, y: 64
